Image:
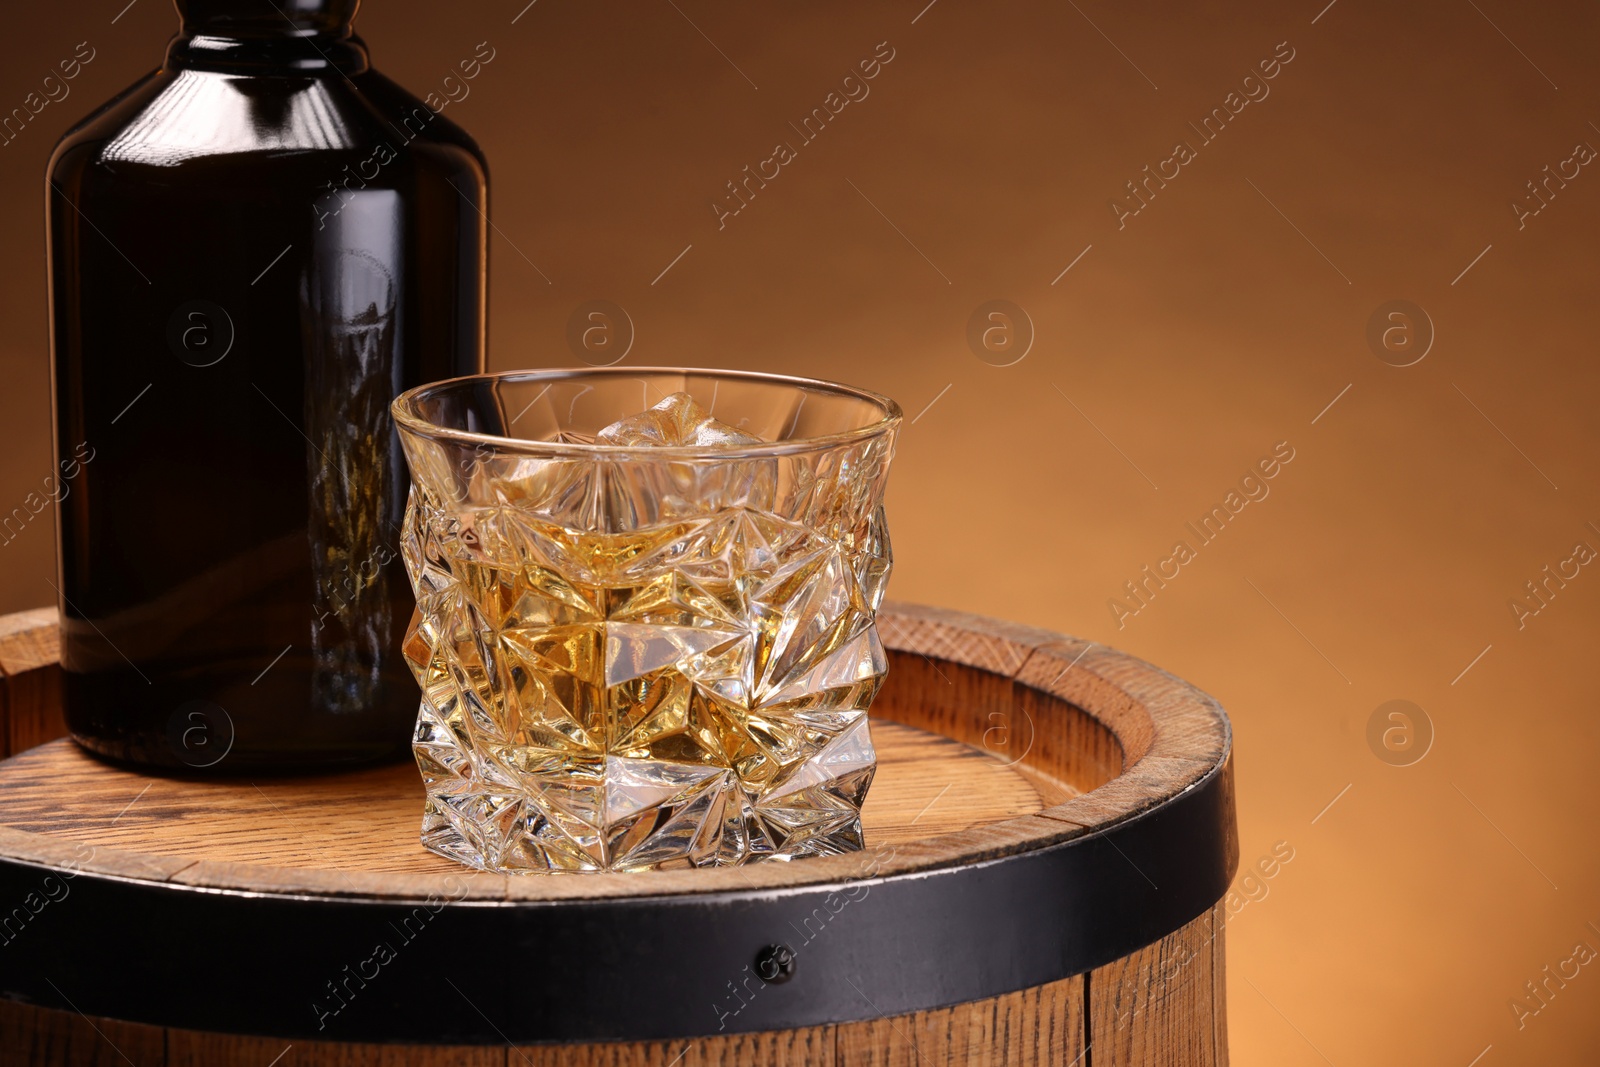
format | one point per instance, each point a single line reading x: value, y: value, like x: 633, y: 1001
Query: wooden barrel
x: 1048, y: 836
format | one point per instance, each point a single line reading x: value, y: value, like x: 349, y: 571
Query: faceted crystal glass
x: 645, y: 630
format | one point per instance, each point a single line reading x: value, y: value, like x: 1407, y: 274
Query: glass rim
x: 404, y: 410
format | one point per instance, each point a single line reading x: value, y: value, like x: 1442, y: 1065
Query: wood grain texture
x: 1141, y: 787
x: 1061, y: 741
x: 40, y: 1037
x: 33, y: 708
x: 1076, y: 719
x: 941, y: 696
x: 992, y: 645
x: 30, y: 680
x: 1150, y: 711
x: 1065, y: 670
x: 1219, y: 985
x: 1157, y: 1007
x: 367, y: 822
x: 1039, y: 1026
x: 29, y: 639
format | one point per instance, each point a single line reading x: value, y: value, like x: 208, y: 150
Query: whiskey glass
x: 645, y: 630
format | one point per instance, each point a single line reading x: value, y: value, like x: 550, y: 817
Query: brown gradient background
x: 1207, y: 330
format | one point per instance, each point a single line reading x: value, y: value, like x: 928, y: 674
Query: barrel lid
x: 1044, y: 805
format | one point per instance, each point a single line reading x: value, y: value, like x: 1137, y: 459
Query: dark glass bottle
x: 252, y: 251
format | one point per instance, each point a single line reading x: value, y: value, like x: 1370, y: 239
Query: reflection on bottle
x: 349, y: 296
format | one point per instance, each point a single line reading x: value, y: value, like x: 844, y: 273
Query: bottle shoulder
x: 98, y: 125
x: 432, y: 127
x: 177, y: 118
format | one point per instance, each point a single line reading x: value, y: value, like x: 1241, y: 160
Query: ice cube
x: 676, y: 421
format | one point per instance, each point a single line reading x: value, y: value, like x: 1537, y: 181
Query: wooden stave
x: 1169, y: 750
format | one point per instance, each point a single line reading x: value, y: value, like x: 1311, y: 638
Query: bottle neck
x: 292, y: 37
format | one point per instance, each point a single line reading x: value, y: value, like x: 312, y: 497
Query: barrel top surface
x: 1088, y: 791
x: 314, y: 832
x: 936, y: 801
